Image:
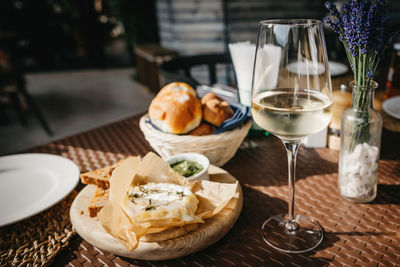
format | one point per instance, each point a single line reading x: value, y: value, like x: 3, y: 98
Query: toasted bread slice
x: 100, y: 177
x: 100, y: 198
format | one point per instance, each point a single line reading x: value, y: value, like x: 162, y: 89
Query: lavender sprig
x: 362, y: 27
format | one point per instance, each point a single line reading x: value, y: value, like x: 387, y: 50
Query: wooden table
x: 355, y: 234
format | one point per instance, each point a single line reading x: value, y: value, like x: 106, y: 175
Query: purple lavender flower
x: 362, y: 27
x: 334, y: 26
x: 332, y: 9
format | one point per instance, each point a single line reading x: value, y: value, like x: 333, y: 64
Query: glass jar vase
x: 360, y: 142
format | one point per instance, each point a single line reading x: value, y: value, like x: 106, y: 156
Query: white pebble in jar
x: 359, y: 172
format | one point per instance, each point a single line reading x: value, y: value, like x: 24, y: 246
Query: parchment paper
x: 118, y: 220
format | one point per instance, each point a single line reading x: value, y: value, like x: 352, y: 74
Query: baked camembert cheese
x: 149, y: 201
x: 162, y: 201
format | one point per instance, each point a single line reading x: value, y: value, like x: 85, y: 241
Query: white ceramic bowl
x: 199, y: 158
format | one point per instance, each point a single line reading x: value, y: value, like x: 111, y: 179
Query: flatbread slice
x: 100, y: 198
x: 100, y: 177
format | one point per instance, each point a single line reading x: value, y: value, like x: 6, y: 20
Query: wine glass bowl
x: 291, y: 98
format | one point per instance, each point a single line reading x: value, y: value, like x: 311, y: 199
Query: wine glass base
x: 307, y: 236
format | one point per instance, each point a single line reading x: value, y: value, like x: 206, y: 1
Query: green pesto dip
x: 187, y: 168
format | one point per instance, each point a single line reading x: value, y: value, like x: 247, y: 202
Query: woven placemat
x: 37, y: 240
x: 356, y: 234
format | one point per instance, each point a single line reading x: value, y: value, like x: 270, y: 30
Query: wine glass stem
x: 291, y: 148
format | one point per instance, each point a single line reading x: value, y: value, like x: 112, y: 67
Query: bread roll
x: 215, y: 109
x: 176, y: 109
x: 203, y: 129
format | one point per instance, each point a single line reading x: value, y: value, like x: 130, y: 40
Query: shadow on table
x: 330, y: 238
x: 70, y: 253
x: 387, y: 194
x: 390, y: 145
x: 335, y: 235
x: 243, y: 245
x: 265, y: 163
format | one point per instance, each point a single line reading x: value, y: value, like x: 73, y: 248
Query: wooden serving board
x: 205, y: 235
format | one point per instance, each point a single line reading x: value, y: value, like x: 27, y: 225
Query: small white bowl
x: 199, y: 158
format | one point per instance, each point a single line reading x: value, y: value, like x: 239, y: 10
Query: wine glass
x: 291, y: 98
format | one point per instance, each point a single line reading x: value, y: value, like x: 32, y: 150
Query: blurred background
x: 67, y: 66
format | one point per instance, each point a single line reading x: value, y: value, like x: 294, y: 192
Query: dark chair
x: 179, y: 69
x: 13, y: 92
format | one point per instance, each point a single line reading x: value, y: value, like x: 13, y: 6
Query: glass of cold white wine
x: 291, y: 98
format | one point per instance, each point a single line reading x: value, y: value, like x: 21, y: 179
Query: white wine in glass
x: 291, y: 98
x: 291, y: 115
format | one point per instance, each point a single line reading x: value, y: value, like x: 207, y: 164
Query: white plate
x: 392, y: 107
x: 31, y: 183
x: 302, y: 68
x: 336, y: 68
